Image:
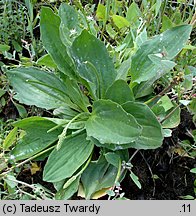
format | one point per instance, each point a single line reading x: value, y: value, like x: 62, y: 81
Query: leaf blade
x: 74, y: 151
x: 172, y: 41
x: 99, y: 124
x: 87, y: 48
x: 11, y: 137
x: 119, y: 92
x: 151, y: 136
x: 37, y: 87
x: 49, y: 25
x: 36, y: 137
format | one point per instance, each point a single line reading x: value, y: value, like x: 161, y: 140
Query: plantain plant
x: 97, y: 115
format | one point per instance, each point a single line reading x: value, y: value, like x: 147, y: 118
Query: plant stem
x: 119, y: 172
x: 20, y: 182
x: 160, y: 94
x: 193, y: 21
x: 62, y: 136
x: 79, y: 5
x: 28, y: 194
x: 129, y: 161
x: 169, y: 114
x: 150, y: 173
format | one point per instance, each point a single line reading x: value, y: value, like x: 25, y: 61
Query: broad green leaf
x: 187, y: 197
x: 188, y: 77
x: 101, y: 12
x: 4, y: 48
x: 151, y: 136
x: 143, y: 89
x: 141, y: 38
x: 123, y: 70
x: 120, y: 21
x: 174, y: 120
x: 109, y: 123
x: 98, y: 175
x: 2, y: 92
x: 65, y: 112
x: 49, y: 25
x: 10, y: 139
x: 36, y: 137
x: 193, y: 170
x: 111, y: 146
x: 158, y: 110
x: 58, y: 185
x: 36, y: 87
x: 2, y: 103
x: 21, y: 110
x: 166, y: 23
x: 135, y: 180
x: 76, y: 95
x: 93, y: 62
x: 129, y: 40
x: 47, y: 61
x: 113, y: 158
x: 170, y: 42
x: 133, y: 13
x: 119, y: 92
x: 177, y: 17
x: 167, y: 132
x: 120, y: 47
x: 185, y: 102
x: 79, y: 124
x: 188, y: 82
x: 62, y: 164
x: 69, y: 27
x: 68, y: 15
x: 124, y: 154
x: 10, y: 180
x: 110, y: 193
x: 65, y: 194
x: 17, y: 46
x: 91, y: 79
x: 163, y: 67
x: 165, y: 102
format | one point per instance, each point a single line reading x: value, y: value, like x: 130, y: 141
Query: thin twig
x: 150, y: 173
x: 160, y: 94
x: 129, y: 161
x: 28, y: 194
x: 22, y: 183
x: 167, y: 116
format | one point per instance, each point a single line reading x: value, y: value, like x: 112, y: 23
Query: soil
x: 173, y: 177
